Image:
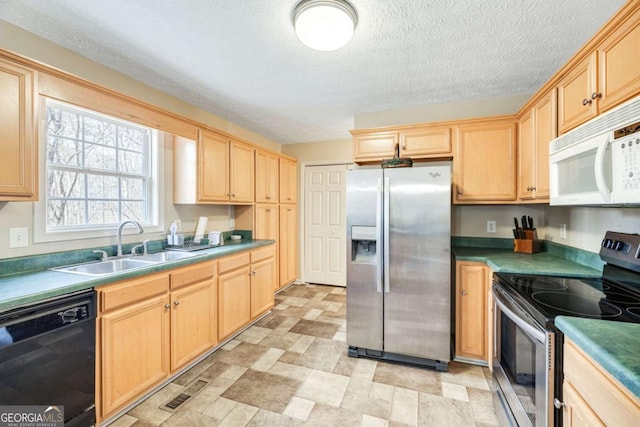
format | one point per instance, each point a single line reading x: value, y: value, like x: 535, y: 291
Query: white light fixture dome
x: 324, y: 24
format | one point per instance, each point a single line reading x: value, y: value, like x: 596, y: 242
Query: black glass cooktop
x: 545, y: 297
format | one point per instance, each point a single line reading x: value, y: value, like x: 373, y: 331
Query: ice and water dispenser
x: 363, y: 244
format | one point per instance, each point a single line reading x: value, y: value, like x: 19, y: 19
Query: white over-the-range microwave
x: 598, y: 163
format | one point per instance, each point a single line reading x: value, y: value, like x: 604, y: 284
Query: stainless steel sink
x: 114, y: 266
x: 166, y: 256
x: 105, y: 268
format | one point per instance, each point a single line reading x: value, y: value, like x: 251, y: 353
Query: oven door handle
x: 520, y: 319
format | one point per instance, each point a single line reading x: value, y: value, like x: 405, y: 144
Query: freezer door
x: 417, y: 291
x: 364, y: 259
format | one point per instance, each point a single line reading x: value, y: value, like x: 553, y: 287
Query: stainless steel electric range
x: 527, y: 361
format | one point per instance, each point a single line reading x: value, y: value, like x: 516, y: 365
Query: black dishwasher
x: 47, y: 356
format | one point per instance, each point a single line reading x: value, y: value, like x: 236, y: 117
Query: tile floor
x: 291, y: 368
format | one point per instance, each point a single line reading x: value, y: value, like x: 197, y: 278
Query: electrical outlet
x: 563, y: 231
x: 19, y: 237
x: 491, y: 226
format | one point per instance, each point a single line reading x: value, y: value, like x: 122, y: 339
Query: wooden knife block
x: 530, y: 245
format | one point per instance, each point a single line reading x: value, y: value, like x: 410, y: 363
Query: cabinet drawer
x: 123, y: 293
x: 193, y: 274
x: 612, y: 402
x: 232, y: 262
x: 263, y: 253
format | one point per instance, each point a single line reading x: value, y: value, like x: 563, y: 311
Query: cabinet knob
x: 586, y: 101
x: 268, y: 210
x: 233, y: 195
x: 533, y: 188
x: 404, y: 147
x: 176, y: 303
x: 288, y: 198
x: 268, y: 197
x: 464, y: 292
x: 528, y: 188
x: 557, y: 403
x: 459, y: 191
x: 253, y: 273
x: 167, y: 306
x: 596, y: 95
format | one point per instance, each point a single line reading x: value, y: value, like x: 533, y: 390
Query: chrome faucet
x: 119, y: 235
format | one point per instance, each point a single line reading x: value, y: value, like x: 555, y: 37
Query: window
x: 98, y: 170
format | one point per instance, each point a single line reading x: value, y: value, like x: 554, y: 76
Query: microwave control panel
x: 626, y: 159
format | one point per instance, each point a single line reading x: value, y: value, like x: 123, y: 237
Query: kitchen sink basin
x: 114, y: 266
x: 105, y: 268
x: 166, y: 256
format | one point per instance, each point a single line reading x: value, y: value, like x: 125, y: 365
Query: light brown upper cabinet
x: 536, y: 128
x: 618, y: 64
x: 575, y: 92
x: 225, y: 170
x: 604, y: 79
x: 18, y: 163
x: 417, y: 142
x: 267, y: 177
x: 373, y: 147
x: 484, y: 162
x: 431, y: 141
x: 288, y: 181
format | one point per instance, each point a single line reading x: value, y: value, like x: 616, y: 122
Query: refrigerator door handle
x: 385, y: 219
x: 379, y: 236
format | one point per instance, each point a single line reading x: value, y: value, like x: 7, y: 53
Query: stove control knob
x: 618, y: 245
x: 608, y: 243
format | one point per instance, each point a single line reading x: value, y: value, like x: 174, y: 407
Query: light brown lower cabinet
x: 150, y: 327
x: 245, y: 288
x: 591, y: 396
x: 472, y: 288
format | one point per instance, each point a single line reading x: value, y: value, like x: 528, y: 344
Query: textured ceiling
x: 241, y: 60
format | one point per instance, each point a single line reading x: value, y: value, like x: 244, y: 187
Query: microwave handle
x: 605, y: 192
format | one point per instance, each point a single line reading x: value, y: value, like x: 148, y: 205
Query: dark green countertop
x: 613, y: 345
x: 507, y: 261
x: 26, y: 288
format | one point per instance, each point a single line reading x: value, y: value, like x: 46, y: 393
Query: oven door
x: 523, y: 368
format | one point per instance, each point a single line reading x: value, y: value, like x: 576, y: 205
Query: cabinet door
x: 267, y: 177
x: 266, y: 222
x: 263, y: 278
x: 288, y: 244
x: 18, y: 163
x: 526, y: 156
x: 484, y: 165
x: 193, y: 322
x: 471, y: 310
x: 545, y: 130
x: 234, y: 297
x: 576, y: 412
x: 425, y: 143
x: 241, y: 163
x: 619, y: 70
x: 288, y: 181
x: 213, y: 168
x: 575, y: 105
x: 374, y: 147
x: 135, y: 351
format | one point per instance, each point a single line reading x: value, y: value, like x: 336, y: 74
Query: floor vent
x: 187, y: 394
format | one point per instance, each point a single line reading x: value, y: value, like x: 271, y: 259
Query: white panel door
x: 325, y: 225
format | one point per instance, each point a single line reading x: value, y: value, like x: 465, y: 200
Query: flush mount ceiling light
x: 324, y: 24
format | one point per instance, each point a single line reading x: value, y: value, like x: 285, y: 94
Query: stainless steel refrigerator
x: 399, y: 264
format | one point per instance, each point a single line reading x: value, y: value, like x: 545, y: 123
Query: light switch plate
x: 491, y: 226
x: 18, y: 237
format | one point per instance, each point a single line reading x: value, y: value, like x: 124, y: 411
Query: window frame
x: 153, y: 188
